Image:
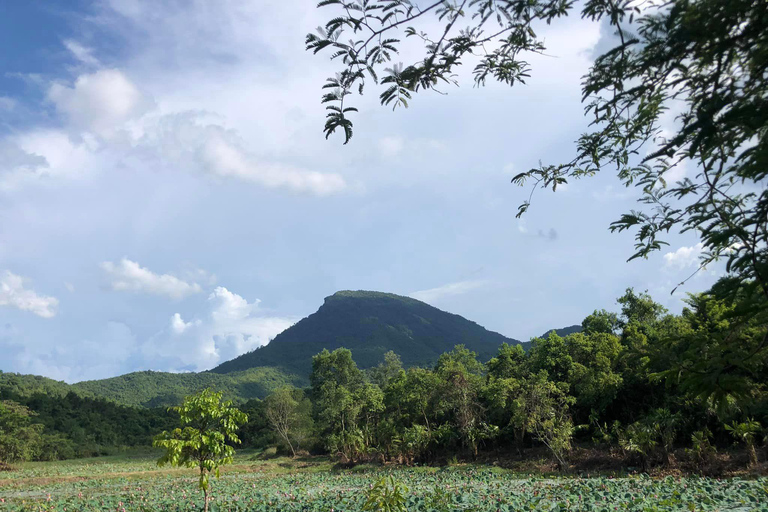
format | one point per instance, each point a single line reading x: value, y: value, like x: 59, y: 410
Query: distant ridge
x: 369, y: 324
x: 563, y: 332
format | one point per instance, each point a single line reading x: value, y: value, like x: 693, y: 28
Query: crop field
x: 126, y: 484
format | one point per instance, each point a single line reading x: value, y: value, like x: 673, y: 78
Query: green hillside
x: 370, y: 324
x: 563, y: 331
x: 20, y: 385
x: 160, y: 389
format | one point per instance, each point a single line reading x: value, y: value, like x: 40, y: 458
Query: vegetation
x: 208, y: 426
x: 610, y: 385
x: 370, y: 324
x: 310, y: 485
x: 69, y: 425
x: 162, y: 389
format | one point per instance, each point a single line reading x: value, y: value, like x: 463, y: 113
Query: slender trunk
x: 205, y: 507
x: 752, y: 455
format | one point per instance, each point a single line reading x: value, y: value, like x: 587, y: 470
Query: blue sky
x: 168, y: 200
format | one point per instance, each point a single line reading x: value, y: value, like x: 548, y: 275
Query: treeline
x: 50, y: 427
x: 640, y: 382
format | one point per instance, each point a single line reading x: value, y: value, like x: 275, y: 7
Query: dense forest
x: 632, y: 382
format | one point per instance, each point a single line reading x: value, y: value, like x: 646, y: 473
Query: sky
x: 168, y: 200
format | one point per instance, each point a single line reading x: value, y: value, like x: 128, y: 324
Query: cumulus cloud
x: 232, y: 326
x: 14, y: 294
x: 683, y: 257
x: 449, y: 290
x: 127, y: 275
x: 179, y: 326
x: 100, y: 102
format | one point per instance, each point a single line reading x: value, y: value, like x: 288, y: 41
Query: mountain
x: 563, y: 332
x: 161, y: 389
x: 370, y: 324
x: 153, y: 389
x: 367, y: 323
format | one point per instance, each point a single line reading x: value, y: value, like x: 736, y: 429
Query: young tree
x: 208, y: 425
x: 288, y: 413
x: 547, y: 418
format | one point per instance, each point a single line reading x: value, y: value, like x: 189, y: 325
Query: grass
x: 132, y: 482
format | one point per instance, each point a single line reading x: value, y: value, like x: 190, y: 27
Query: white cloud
x: 391, y: 146
x: 223, y: 158
x: 100, y: 102
x: 18, y: 161
x: 14, y: 294
x: 683, y: 257
x: 81, y: 53
x: 231, y: 327
x: 179, y: 326
x: 449, y: 290
x: 128, y: 275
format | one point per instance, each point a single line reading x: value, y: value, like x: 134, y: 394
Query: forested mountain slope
x: 160, y: 389
x: 370, y: 324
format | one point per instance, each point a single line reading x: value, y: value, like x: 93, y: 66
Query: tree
x: 335, y: 380
x: 546, y: 415
x: 289, y: 414
x: 705, y: 59
x: 386, y: 370
x: 208, y: 426
x: 461, y: 376
x: 20, y: 438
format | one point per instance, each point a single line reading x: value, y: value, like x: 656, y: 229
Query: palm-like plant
x: 746, y: 432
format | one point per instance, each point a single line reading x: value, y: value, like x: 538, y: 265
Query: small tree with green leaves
x: 547, y: 410
x: 746, y: 432
x: 386, y: 495
x: 208, y: 424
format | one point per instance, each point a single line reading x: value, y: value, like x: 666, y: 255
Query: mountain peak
x: 370, y: 323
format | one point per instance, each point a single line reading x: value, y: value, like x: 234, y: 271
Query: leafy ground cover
x: 133, y: 483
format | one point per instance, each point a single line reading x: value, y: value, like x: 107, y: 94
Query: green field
x: 133, y: 483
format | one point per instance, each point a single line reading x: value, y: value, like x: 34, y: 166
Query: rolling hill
x: 370, y: 324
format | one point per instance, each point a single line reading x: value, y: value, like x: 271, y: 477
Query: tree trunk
x: 205, y: 506
x: 752, y: 455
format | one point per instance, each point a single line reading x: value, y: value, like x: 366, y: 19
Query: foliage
x: 289, y: 413
x: 745, y: 432
x: 701, y: 450
x: 546, y: 416
x: 263, y: 486
x: 208, y: 425
x: 20, y: 438
x: 386, y: 495
x: 77, y: 426
x: 162, y: 389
